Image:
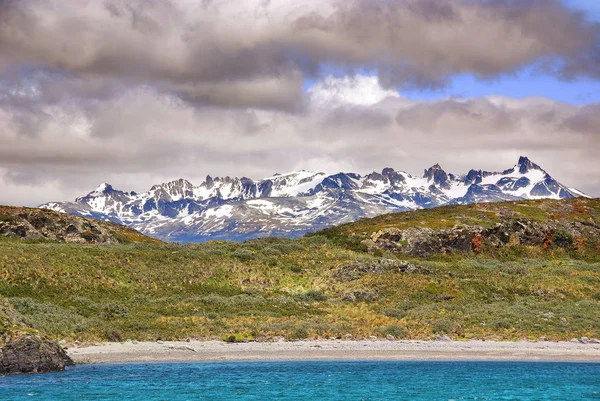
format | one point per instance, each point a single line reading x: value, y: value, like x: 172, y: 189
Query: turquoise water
x: 332, y: 380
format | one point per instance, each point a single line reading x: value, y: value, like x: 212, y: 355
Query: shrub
x: 580, y: 244
x: 270, y: 251
x: 314, y: 240
x: 514, y: 268
x: 237, y: 338
x: 48, y: 317
x: 311, y: 296
x: 299, y: 333
x: 563, y: 239
x: 288, y: 247
x: 296, y: 268
x: 442, y: 326
x: 243, y: 254
x: 396, y: 331
x: 395, y: 313
x: 6, y: 219
x: 502, y: 324
x: 477, y: 242
x: 114, y: 336
x: 113, y: 310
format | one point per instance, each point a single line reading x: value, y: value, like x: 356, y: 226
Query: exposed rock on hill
x: 30, y: 223
x: 544, y: 223
x: 24, y: 350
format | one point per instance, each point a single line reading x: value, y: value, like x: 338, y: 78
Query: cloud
x: 141, y: 91
x: 256, y: 53
x: 139, y: 137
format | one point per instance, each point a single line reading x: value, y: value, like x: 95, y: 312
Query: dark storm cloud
x: 226, y: 53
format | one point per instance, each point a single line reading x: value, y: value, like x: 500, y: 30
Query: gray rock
x: 30, y: 224
x: 584, y: 340
x: 442, y: 337
x: 32, y: 353
x: 390, y: 337
x: 594, y: 341
x: 356, y: 270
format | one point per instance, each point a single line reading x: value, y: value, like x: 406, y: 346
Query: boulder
x: 26, y: 350
x: 32, y: 353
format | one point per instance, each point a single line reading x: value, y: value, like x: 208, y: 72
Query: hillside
x: 368, y: 278
x: 35, y: 224
x: 489, y: 227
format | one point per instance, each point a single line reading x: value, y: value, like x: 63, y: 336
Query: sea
x: 312, y: 380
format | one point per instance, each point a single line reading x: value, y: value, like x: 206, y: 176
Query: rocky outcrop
x: 30, y: 224
x: 424, y: 242
x: 32, y: 353
x: 25, y: 350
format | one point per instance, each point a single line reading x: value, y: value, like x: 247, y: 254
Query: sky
x: 140, y: 92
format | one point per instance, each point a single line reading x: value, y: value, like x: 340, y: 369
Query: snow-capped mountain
x: 295, y: 203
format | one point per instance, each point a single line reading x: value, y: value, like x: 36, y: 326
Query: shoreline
x: 314, y: 350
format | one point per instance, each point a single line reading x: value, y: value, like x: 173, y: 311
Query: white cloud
x: 137, y: 138
x: 349, y: 90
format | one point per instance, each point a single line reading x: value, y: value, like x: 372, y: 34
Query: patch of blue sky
x: 521, y: 85
x: 524, y: 83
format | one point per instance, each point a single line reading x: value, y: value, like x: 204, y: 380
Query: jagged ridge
x: 292, y: 204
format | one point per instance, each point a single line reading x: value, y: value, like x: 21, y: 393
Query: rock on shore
x: 25, y: 350
x: 32, y: 353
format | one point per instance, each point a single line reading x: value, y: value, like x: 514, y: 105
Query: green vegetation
x: 294, y: 288
x: 6, y: 219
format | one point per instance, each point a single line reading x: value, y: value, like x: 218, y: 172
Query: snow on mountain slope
x: 295, y: 203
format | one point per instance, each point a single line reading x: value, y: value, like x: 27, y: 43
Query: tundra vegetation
x: 506, y: 271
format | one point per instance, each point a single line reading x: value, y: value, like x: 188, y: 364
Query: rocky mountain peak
x: 524, y: 165
x: 392, y: 176
x: 386, y: 172
x: 473, y: 177
x: 438, y: 175
x: 208, y: 182
x: 103, y: 188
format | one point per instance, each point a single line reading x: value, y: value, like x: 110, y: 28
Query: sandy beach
x: 171, y: 351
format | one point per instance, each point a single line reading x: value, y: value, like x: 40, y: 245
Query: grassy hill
x: 499, y: 271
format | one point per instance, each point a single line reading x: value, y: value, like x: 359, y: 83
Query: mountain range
x: 290, y: 205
